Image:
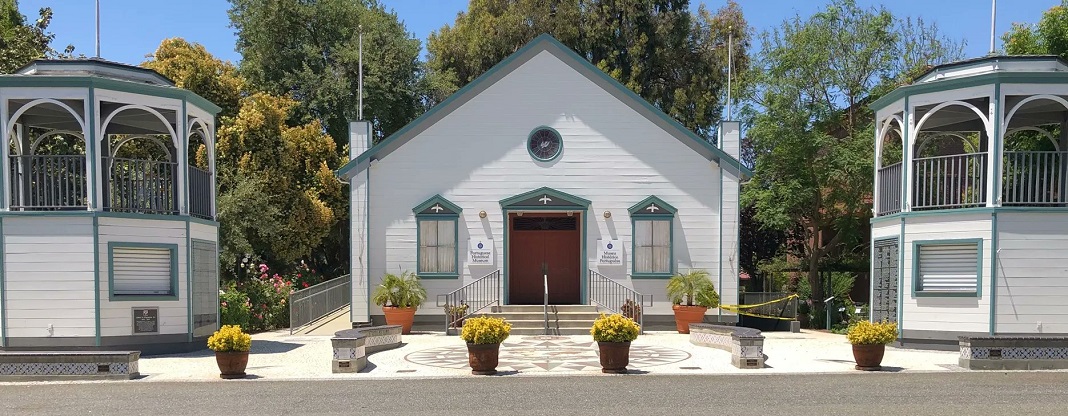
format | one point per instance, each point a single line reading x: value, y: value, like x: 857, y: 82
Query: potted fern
x: 400, y: 296
x: 691, y: 294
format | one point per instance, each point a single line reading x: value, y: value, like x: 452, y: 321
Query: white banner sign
x: 610, y: 252
x: 479, y: 252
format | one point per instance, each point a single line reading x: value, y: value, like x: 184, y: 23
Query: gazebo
x: 107, y: 209
x: 971, y: 201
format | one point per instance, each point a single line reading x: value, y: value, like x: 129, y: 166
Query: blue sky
x: 131, y: 29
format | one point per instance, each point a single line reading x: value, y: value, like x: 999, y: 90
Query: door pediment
x: 545, y: 198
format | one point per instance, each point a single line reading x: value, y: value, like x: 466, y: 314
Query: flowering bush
x: 869, y: 333
x: 614, y: 328
x: 257, y: 298
x: 234, y: 306
x: 229, y: 338
x: 485, y: 330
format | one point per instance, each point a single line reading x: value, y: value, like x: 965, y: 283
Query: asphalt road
x: 956, y: 393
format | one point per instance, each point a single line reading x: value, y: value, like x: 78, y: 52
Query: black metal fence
x: 141, y: 186
x: 48, y: 182
x: 199, y: 193
x: 612, y: 295
x: 470, y: 299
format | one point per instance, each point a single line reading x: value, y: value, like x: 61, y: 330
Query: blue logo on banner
x: 479, y: 245
x: 609, y: 246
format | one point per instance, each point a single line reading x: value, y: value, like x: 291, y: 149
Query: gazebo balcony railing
x: 956, y: 181
x: 140, y: 186
x: 1034, y: 178
x: 199, y: 193
x: 48, y: 183
x: 889, y: 178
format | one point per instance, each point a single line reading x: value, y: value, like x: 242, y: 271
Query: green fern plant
x: 402, y: 291
x: 693, y: 288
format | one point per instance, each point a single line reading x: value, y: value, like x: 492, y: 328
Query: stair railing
x: 545, y: 307
x: 470, y: 299
x: 615, y: 297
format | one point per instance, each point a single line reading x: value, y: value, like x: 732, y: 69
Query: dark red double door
x: 544, y: 244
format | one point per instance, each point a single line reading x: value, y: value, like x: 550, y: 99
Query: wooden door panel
x: 550, y: 240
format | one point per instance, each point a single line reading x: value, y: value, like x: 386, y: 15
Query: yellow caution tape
x: 738, y: 308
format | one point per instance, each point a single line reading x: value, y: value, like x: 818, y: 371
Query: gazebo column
x: 906, y: 161
x: 22, y: 179
x: 1063, y: 147
x: 992, y: 146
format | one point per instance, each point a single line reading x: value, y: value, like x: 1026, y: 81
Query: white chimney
x: 359, y: 138
x: 730, y: 135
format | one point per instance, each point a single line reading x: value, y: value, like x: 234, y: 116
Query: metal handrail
x: 475, y: 296
x: 545, y: 307
x: 612, y: 295
x: 311, y: 303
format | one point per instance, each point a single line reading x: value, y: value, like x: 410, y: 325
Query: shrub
x: 614, y: 328
x: 485, y: 330
x: 234, y: 307
x: 868, y: 333
x: 403, y: 291
x: 229, y: 338
x: 693, y: 288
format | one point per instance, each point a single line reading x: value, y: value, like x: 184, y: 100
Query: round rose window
x: 545, y: 144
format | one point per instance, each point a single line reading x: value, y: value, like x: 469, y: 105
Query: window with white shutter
x: 143, y: 269
x: 948, y: 267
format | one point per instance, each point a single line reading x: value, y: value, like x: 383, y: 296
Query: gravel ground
x: 278, y: 355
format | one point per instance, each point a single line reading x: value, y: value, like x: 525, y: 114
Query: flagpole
x: 993, y: 19
x: 730, y: 58
x: 97, y: 28
x: 359, y: 112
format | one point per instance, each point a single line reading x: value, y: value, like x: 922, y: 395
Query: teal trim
x: 901, y: 281
x: 542, y: 42
x: 438, y: 199
x: 367, y: 244
x: 203, y: 221
x: 106, y: 214
x: 96, y: 201
x: 917, y: 282
x: 993, y: 271
x: 3, y: 288
x: 971, y: 81
x: 110, y: 84
x: 506, y: 210
x: 578, y: 202
x: 671, y: 247
x: 719, y: 311
x: 970, y: 211
x: 188, y: 279
x: 173, y: 248
x: 559, y: 151
x: 639, y: 208
x: 96, y: 276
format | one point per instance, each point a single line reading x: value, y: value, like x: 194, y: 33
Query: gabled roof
x: 497, y: 72
x: 437, y: 205
x: 545, y: 197
x: 652, y: 206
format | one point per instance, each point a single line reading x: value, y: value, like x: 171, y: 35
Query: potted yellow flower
x: 231, y: 348
x: 869, y: 341
x: 613, y: 334
x: 484, y: 336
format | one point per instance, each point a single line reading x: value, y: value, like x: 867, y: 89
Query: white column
x: 93, y: 155
x: 906, y: 162
x: 5, y: 187
x: 210, y: 149
x: 182, y: 150
x: 993, y: 150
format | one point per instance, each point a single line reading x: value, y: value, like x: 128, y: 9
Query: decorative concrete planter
x: 686, y: 315
x: 614, y: 356
x: 231, y: 363
x: 483, y: 358
x: 868, y: 356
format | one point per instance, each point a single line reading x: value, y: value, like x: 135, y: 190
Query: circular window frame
x: 559, y: 139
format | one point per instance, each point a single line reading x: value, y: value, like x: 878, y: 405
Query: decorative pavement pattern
x: 547, y: 353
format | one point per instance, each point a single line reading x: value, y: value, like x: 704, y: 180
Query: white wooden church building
x: 544, y: 166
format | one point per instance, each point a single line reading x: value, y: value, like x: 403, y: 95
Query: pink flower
x: 305, y: 284
x: 298, y: 275
x: 224, y: 304
x: 263, y: 268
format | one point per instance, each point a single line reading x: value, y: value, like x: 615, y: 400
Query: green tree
x: 309, y: 49
x: 811, y: 127
x: 21, y: 43
x: 1048, y: 37
x: 672, y: 57
x: 192, y: 67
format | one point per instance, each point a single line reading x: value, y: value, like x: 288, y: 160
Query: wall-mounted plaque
x: 145, y: 320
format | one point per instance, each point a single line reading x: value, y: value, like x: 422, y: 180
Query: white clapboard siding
x: 1032, y: 273
x: 141, y: 271
x: 949, y: 267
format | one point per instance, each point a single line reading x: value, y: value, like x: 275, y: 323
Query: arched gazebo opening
x: 1035, y: 160
x: 890, y: 155
x: 949, y: 164
x: 201, y: 166
x: 139, y: 161
x: 47, y: 156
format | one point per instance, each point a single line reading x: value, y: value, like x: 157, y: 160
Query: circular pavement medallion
x: 547, y: 353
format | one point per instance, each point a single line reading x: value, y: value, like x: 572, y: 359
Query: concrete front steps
x: 563, y: 319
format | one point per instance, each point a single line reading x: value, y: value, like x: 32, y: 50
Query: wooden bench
x: 746, y: 345
x: 352, y: 346
x: 1013, y: 353
x: 68, y: 365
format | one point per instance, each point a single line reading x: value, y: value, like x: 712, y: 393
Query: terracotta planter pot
x: 400, y: 316
x: 686, y: 315
x: 456, y: 321
x: 869, y: 357
x: 232, y: 363
x: 614, y: 356
x: 483, y: 358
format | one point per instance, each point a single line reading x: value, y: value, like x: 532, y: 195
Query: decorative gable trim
x: 652, y: 206
x: 437, y: 205
x: 545, y: 198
